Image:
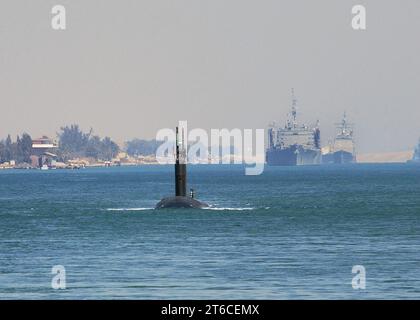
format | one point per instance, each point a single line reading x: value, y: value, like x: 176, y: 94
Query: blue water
x: 291, y: 233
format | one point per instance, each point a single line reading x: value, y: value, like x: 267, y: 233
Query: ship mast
x: 294, y: 110
x: 344, y: 123
x: 345, y: 127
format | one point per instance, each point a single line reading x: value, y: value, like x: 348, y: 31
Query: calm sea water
x: 290, y: 233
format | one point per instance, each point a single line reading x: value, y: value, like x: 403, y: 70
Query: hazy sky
x: 128, y: 68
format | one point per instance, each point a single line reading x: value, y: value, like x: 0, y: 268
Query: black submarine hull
x: 180, y: 202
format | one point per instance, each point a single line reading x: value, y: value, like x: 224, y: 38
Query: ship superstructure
x: 416, y: 156
x: 343, y: 149
x: 294, y: 144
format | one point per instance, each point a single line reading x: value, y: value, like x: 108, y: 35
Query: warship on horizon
x: 342, y: 151
x: 416, y: 155
x: 293, y: 144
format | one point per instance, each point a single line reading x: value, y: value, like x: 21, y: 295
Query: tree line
x: 74, y: 143
x: 19, y: 150
x: 139, y: 147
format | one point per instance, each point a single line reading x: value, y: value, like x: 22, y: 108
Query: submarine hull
x: 180, y: 202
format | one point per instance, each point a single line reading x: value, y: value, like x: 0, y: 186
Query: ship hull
x: 339, y: 157
x: 293, y: 156
x: 414, y: 161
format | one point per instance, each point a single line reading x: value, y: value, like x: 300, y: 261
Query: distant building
x: 43, y: 152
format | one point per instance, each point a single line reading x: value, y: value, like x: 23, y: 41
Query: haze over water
x: 129, y: 68
x: 289, y: 233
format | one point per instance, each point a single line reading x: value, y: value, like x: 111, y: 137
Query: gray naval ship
x: 416, y: 155
x: 294, y: 144
x: 343, y: 149
x: 181, y: 200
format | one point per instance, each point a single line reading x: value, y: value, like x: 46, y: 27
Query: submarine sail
x: 181, y: 200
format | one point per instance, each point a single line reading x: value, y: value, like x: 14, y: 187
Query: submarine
x: 181, y: 200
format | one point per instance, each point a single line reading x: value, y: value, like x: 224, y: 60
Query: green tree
x: 17, y: 151
x: 109, y: 149
x: 2, y: 152
x: 138, y: 147
x: 24, y: 148
x: 8, y: 149
x: 73, y: 142
x: 94, y: 147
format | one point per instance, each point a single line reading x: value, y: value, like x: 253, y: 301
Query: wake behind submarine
x: 181, y: 200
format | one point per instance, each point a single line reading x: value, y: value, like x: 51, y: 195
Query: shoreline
x: 157, y: 164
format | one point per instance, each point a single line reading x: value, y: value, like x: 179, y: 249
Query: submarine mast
x: 180, y: 166
x: 181, y: 200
